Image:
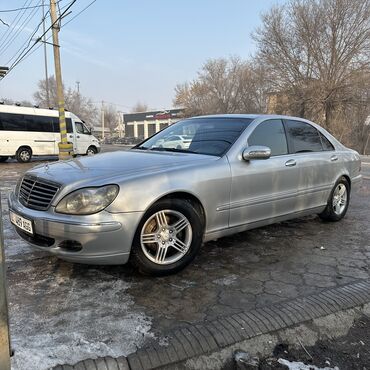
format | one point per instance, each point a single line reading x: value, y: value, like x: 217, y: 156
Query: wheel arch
x: 92, y: 146
x: 346, y: 176
x: 184, y: 195
x: 24, y: 146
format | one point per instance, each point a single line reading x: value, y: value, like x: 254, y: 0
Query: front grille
x: 36, y: 193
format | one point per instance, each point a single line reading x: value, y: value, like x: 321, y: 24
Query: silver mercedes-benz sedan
x: 154, y: 205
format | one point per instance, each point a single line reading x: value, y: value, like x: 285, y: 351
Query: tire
x: 91, y: 150
x: 338, y: 201
x: 179, y: 147
x: 166, y: 251
x: 23, y: 155
x: 3, y: 159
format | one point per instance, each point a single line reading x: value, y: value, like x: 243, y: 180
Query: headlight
x: 88, y: 200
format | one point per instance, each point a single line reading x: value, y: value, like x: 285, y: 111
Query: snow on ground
x: 87, y: 321
x: 63, y: 313
x: 294, y: 365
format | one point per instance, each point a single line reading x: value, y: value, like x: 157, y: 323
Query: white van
x: 27, y: 132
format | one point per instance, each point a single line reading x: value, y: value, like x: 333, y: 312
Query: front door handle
x: 333, y: 158
x: 78, y: 136
x: 290, y: 163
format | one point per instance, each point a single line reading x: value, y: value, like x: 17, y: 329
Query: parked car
x: 155, y: 206
x: 174, y: 141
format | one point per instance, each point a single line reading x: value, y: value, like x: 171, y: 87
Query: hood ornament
x: 46, y: 167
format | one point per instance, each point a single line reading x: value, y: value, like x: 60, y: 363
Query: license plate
x: 21, y: 222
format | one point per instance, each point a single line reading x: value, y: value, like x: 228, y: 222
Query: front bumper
x: 103, y: 238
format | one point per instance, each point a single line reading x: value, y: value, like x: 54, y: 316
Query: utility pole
x: 78, y: 86
x: 102, y: 120
x: 65, y: 148
x: 45, y: 55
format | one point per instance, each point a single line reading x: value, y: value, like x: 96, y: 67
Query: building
x: 145, y: 124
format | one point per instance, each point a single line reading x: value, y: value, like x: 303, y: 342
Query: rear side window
x: 270, y: 133
x: 12, y: 122
x: 68, y: 124
x: 39, y: 123
x: 326, y: 144
x: 303, y: 137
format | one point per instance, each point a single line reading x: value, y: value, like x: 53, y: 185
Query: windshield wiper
x: 140, y: 147
x: 172, y: 150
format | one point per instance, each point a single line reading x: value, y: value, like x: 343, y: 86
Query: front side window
x: 81, y: 128
x: 303, y: 137
x: 271, y: 134
x: 210, y: 136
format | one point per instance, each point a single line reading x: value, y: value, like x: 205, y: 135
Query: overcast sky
x: 125, y: 51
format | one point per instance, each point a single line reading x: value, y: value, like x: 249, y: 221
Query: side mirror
x: 256, y: 152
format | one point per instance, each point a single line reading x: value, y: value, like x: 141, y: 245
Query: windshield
x: 211, y: 136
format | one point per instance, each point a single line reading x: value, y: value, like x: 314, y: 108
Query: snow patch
x: 226, y: 281
x: 301, y: 366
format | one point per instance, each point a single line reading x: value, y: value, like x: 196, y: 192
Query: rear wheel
x: 91, y: 150
x: 3, y: 159
x: 338, y: 202
x: 23, y: 155
x: 168, y: 237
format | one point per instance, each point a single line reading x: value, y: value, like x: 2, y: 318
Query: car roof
x: 250, y: 116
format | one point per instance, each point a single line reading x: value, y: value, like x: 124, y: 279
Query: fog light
x: 70, y: 245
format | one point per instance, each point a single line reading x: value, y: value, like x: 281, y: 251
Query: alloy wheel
x: 339, y: 199
x: 166, y: 237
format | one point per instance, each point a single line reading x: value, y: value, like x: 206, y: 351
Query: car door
x: 264, y: 188
x: 317, y: 163
x: 83, y: 138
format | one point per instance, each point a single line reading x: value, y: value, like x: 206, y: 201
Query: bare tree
x: 224, y: 86
x: 111, y: 118
x: 75, y: 102
x: 139, y: 107
x: 315, y: 50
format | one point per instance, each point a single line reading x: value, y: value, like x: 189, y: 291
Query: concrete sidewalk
x: 212, y: 344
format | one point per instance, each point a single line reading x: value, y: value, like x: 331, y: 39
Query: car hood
x: 124, y: 164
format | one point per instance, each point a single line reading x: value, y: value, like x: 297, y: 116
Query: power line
x: 31, y: 50
x: 86, y: 7
x: 18, y: 9
x: 22, y: 57
x: 28, y: 40
x: 15, y: 21
x: 20, y: 29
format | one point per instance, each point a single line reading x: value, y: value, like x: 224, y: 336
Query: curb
x: 208, y: 337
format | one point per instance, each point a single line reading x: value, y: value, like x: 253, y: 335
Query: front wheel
x: 338, y: 201
x: 91, y: 150
x: 168, y: 237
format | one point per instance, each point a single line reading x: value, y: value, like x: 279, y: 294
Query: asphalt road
x: 63, y: 312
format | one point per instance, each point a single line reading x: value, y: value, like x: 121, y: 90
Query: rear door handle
x: 78, y: 136
x: 333, y: 158
x: 290, y: 163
